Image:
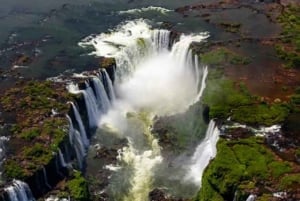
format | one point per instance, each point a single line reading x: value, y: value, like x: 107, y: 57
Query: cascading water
x: 3, y: 139
x: 205, y: 151
x: 161, y: 40
x: 101, y: 94
x: 94, y: 110
x: 58, y: 165
x: 82, y: 130
x: 110, y: 88
x: 76, y: 141
x: 91, y: 106
x: 19, y: 191
x: 151, y: 79
x: 45, y: 177
x: 62, y: 159
x: 251, y: 198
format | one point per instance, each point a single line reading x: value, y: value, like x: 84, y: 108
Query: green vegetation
x: 78, y: 187
x: 289, y: 48
x: 265, y: 197
x: 279, y: 168
x: 141, y: 43
x: 260, y: 113
x: 30, y: 133
x: 222, y: 55
x: 241, y: 164
x: 13, y: 170
x: 290, y: 181
x: 107, y: 62
x: 297, y: 153
x: 225, y: 98
x: 37, y: 133
x: 36, y: 151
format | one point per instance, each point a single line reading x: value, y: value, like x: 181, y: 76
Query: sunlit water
x: 151, y: 80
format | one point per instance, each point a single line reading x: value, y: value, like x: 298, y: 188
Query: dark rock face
x: 55, y: 172
x: 159, y: 195
x: 174, y: 36
x: 109, y: 64
x: 205, y: 114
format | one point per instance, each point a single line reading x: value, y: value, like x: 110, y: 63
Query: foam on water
x: 146, y: 9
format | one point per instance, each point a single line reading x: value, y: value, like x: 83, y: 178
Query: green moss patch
x: 226, y: 98
x: 78, y: 187
x: 261, y: 113
x: 107, y: 62
x: 223, y: 55
x: 37, y: 132
x: 290, y: 181
x: 242, y: 165
x: 289, y: 48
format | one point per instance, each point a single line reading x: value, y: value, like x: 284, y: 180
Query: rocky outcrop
x: 47, y: 139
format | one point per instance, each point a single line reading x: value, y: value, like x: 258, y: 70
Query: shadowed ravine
x: 151, y: 80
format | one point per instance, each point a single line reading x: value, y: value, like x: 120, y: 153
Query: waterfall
x: 45, y: 178
x: 62, y: 159
x: 90, y: 103
x: 56, y: 198
x: 101, y: 95
x: 71, y: 130
x: 81, y: 126
x: 76, y: 141
x: 205, y: 151
x: 203, y: 84
x: 58, y: 165
x: 161, y: 40
x: 3, y: 139
x: 19, y: 191
x: 79, y: 149
x: 111, y: 91
x: 251, y: 197
x: 91, y: 106
x: 152, y: 79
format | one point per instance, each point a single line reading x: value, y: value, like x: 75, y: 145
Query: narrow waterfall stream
x: 153, y: 78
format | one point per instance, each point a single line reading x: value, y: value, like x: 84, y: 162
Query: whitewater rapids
x: 153, y: 78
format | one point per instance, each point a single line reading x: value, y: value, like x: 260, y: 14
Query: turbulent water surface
x: 154, y: 77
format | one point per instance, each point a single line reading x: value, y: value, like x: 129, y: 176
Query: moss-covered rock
x: 78, y: 187
x: 41, y: 125
x: 223, y: 55
x: 241, y: 166
x: 290, y: 181
x: 289, y: 48
x: 226, y: 98
x: 107, y: 62
x: 260, y: 114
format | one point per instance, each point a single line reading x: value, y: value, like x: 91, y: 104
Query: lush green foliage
x: 289, y: 181
x: 289, y: 49
x: 39, y: 131
x: 225, y: 98
x: 223, y: 55
x: 30, y: 133
x: 260, y: 113
x: 13, y: 170
x: 107, y: 62
x: 78, y: 187
x: 240, y: 164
